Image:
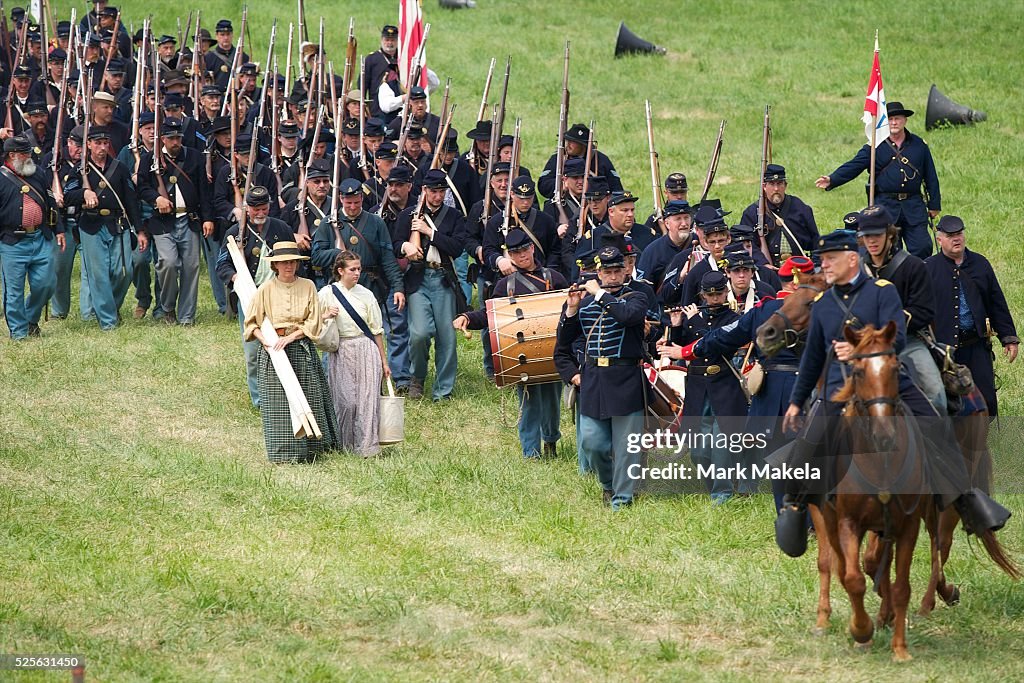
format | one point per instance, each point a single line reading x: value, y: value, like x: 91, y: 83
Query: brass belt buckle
x: 104, y: 212
x: 713, y: 369
x: 602, y: 362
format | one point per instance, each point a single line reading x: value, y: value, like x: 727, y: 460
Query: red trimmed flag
x: 410, y: 37
x: 874, y: 104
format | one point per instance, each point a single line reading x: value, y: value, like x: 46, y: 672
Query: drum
x: 522, y: 331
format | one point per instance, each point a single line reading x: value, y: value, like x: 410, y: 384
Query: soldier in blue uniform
x: 714, y: 396
x: 780, y: 371
x: 675, y: 191
x: 712, y: 233
x: 539, y: 228
x: 383, y: 160
x: 576, y: 137
x: 567, y: 216
x: 434, y: 296
x: 261, y: 233
x: 28, y: 223
x: 883, y: 258
x: 64, y: 260
x: 540, y: 406
x: 183, y: 211
x: 903, y: 169
x: 856, y: 299
x: 970, y: 307
x: 108, y: 212
x: 789, y: 223
x: 678, y: 217
x: 621, y: 219
x: 610, y: 318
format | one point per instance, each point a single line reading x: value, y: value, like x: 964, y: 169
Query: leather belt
x: 281, y: 331
x: 898, y: 196
x: 605, y: 361
x: 704, y: 369
x: 781, y: 368
x: 25, y: 229
x: 434, y: 266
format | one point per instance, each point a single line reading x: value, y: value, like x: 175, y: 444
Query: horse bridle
x: 790, y: 337
x: 878, y: 400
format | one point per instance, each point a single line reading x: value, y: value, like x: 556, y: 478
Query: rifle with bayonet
x: 716, y: 153
x: 471, y: 156
x: 56, y: 189
x: 137, y: 99
x: 183, y: 40
x: 275, y: 123
x: 335, y: 182
x: 584, y: 208
x: 158, y: 157
x: 513, y: 174
x: 659, y: 202
x: 196, y: 76
x: 492, y: 157
x: 762, y: 198
x: 110, y: 50
x: 288, y: 61
x: 563, y: 123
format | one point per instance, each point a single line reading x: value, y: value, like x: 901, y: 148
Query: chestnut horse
x: 882, y: 485
x: 788, y: 329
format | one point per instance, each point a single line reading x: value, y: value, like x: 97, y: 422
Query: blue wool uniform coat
x: 613, y: 328
x: 708, y: 377
x: 871, y: 301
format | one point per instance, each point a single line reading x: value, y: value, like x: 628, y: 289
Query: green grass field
x: 141, y: 526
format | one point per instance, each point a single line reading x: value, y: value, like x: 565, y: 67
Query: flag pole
x: 874, y: 142
x: 871, y: 177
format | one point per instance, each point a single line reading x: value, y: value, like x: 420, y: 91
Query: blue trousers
x: 719, y: 487
x: 396, y: 331
x: 431, y: 311
x: 211, y: 248
x: 604, y: 444
x: 64, y: 265
x: 30, y: 259
x: 461, y: 269
x: 252, y: 366
x: 107, y: 258
x: 911, y: 215
x: 540, y: 410
x: 582, y: 457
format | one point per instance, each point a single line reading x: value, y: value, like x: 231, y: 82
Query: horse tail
x: 998, y: 554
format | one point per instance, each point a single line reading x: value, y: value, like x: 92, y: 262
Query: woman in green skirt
x: 290, y: 303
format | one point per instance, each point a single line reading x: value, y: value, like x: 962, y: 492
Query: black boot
x: 791, y: 528
x: 980, y: 513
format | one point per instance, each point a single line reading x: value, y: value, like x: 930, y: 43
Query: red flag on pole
x: 874, y: 105
x: 410, y: 37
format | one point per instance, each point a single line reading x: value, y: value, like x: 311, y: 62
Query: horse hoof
x: 819, y: 631
x: 863, y: 647
x: 954, y: 597
x: 900, y: 657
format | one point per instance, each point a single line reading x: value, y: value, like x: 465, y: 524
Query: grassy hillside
x: 141, y: 526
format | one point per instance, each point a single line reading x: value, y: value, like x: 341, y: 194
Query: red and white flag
x: 410, y: 37
x: 874, y: 104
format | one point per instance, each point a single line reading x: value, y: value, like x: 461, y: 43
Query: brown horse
x: 882, y: 486
x: 787, y: 329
